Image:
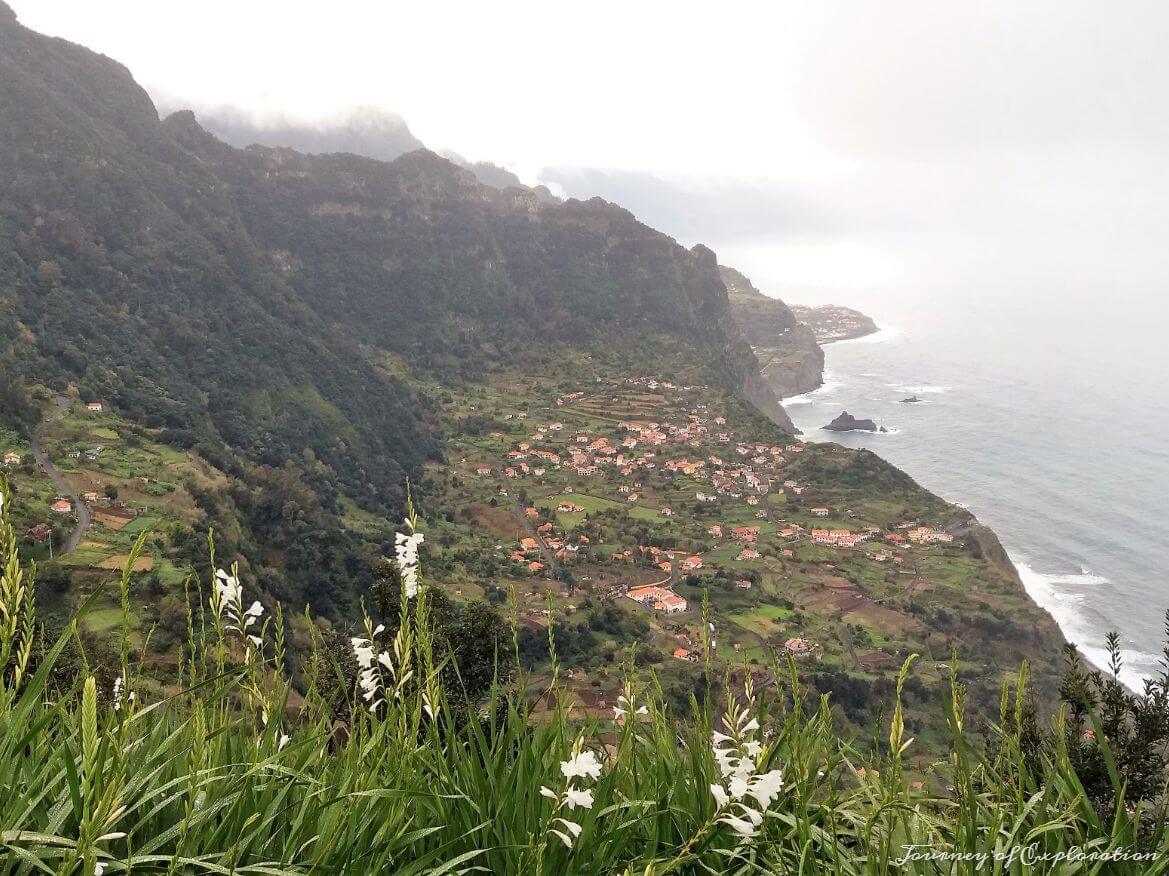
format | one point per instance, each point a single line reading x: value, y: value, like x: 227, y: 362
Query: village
x: 641, y: 492
x: 645, y: 518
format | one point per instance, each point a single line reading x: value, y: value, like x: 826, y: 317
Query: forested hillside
x: 280, y: 311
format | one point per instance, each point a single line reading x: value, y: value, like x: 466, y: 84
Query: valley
x: 571, y: 495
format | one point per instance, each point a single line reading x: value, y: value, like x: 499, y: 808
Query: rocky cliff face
x: 790, y: 360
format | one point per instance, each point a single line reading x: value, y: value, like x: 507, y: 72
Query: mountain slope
x: 791, y: 359
x: 281, y: 311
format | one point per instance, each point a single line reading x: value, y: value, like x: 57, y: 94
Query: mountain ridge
x: 246, y: 302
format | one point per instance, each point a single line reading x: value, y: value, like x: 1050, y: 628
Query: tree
x: 49, y: 274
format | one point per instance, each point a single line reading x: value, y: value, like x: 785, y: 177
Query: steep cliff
x: 791, y: 362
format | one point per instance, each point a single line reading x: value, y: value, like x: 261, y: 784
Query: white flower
x: 548, y: 792
x: 583, y: 764
x: 406, y: 549
x: 740, y: 825
x: 98, y: 868
x: 228, y: 597
x: 574, y: 797
x: 369, y: 679
x: 737, y: 756
x: 253, y: 613
x: 766, y: 787
x: 363, y: 651
x: 564, y: 838
x: 625, y: 704
x: 571, y: 826
x: 283, y: 742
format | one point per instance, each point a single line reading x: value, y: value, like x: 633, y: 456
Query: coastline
x: 864, y: 333
x: 1059, y: 594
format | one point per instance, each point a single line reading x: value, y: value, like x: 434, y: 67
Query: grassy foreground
x: 215, y: 772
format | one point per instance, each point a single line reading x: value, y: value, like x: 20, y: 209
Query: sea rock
x: 846, y: 422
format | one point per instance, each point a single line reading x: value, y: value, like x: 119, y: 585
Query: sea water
x: 1050, y: 422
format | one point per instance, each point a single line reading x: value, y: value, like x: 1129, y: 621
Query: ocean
x: 1049, y: 423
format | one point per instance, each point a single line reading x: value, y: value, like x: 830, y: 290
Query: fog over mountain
x: 366, y: 131
x: 802, y: 141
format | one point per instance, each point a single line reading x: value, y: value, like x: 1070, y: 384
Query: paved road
x: 550, y: 560
x: 84, y: 520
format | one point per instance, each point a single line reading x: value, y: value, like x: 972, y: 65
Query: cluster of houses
x: 658, y: 598
x: 839, y: 537
x: 928, y: 535
x: 654, y: 454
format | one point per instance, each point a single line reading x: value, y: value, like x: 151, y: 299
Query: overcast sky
x: 847, y: 147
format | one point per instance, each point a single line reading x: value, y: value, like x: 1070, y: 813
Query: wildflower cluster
x: 625, y: 706
x: 120, y: 696
x: 744, y: 793
x: 372, y: 661
x: 227, y: 600
x: 407, y: 557
x: 582, y: 766
x: 369, y: 679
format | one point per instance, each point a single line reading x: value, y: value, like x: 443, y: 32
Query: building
x: 798, y: 646
x: 61, y: 506
x: 820, y: 512
x: 95, y: 407
x: 12, y: 459
x: 658, y: 598
x: 691, y: 564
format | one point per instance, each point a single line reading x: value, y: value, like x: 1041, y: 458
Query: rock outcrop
x: 846, y: 422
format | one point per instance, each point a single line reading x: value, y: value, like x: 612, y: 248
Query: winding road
x: 84, y: 520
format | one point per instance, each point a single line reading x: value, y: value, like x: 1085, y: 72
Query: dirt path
x: 84, y: 520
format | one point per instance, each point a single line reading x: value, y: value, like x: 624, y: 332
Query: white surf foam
x: 819, y: 394
x: 925, y: 389
x: 1062, y: 596
x: 880, y: 336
